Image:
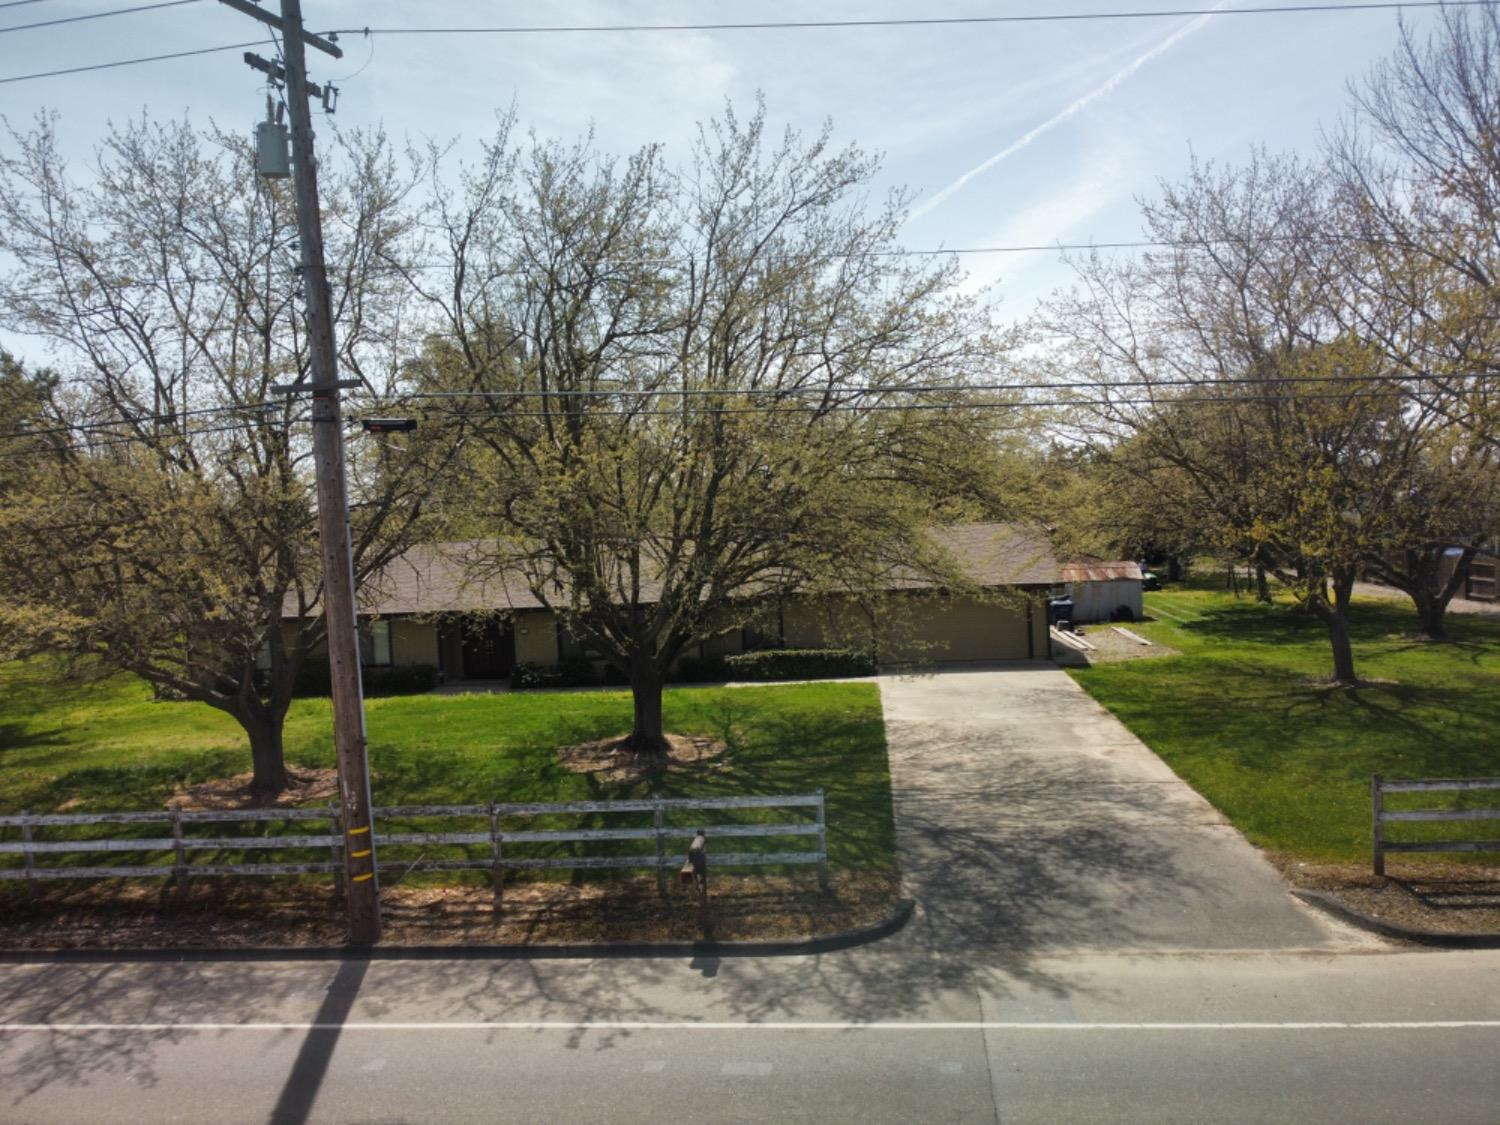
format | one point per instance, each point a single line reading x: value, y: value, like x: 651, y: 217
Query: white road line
x: 689, y: 1025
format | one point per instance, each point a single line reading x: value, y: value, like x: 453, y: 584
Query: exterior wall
x: 730, y: 641
x: 536, y: 637
x: 1096, y: 601
x: 413, y: 642
x: 823, y: 624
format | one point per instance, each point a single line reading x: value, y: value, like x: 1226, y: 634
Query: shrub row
x: 314, y: 681
x: 568, y: 672
x: 776, y: 664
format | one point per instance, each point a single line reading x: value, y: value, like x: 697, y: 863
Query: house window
x: 375, y: 643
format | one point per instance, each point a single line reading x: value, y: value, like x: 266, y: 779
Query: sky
x: 1005, y: 134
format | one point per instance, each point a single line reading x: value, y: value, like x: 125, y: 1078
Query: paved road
x: 1029, y: 818
x: 1229, y: 1037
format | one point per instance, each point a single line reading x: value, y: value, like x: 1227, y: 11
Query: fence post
x: 658, y: 817
x: 179, y: 853
x: 28, y: 861
x: 497, y: 872
x: 822, y: 844
x: 1377, y: 804
x: 336, y: 847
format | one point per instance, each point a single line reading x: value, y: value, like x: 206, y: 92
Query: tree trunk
x: 1334, y: 613
x: 1262, y: 587
x: 266, y: 754
x: 646, y: 737
x: 1343, y: 651
x: 1431, y: 610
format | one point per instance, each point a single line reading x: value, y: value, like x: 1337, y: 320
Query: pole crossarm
x: 245, y: 6
x: 277, y: 71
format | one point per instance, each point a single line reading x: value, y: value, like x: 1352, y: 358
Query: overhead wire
x: 770, y: 25
x: 133, y: 62
x: 97, y: 15
x: 916, y: 21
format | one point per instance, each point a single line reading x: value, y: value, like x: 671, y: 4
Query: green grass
x: 106, y: 745
x: 1241, y: 717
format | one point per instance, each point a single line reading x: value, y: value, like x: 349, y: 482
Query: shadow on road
x: 294, y: 1106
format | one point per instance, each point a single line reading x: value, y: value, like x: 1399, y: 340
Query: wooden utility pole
x: 333, y: 505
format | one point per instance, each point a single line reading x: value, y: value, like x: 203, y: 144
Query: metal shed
x: 1100, y: 589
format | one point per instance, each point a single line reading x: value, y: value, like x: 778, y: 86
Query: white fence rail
x: 1379, y: 787
x: 670, y: 825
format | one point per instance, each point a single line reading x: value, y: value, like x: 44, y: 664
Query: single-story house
x: 425, y: 608
x: 1101, y: 591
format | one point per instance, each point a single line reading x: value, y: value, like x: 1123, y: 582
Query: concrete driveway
x: 1029, y: 818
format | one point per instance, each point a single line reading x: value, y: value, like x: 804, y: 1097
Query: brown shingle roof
x: 434, y: 577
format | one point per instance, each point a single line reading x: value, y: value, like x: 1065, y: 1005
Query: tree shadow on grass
x: 19, y: 736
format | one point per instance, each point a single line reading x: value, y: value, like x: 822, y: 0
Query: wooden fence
x: 1379, y: 787
x: 486, y: 832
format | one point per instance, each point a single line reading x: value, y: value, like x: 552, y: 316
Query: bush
x: 701, y: 670
x: 404, y: 679
x: 314, y: 680
x: 576, y: 671
x: 777, y: 664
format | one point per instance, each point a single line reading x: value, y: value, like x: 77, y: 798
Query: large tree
x: 1417, y: 162
x: 170, y: 524
x: 1226, y: 383
x: 690, y: 392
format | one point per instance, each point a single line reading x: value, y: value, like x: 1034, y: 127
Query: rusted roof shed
x: 1121, y: 570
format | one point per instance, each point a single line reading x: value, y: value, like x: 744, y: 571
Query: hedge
x: 777, y: 664
x: 568, y: 672
x: 313, y: 680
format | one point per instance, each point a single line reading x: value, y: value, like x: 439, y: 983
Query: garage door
x: 943, y: 629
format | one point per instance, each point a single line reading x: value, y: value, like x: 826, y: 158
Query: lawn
x: 105, y: 744
x: 1241, y: 716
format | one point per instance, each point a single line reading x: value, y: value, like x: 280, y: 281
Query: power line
x: 850, y: 392
x: 946, y: 407
x: 139, y: 420
x: 134, y: 62
x: 98, y: 15
x: 913, y: 21
x: 18, y: 4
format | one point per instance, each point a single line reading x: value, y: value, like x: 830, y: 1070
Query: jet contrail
x: 1093, y: 95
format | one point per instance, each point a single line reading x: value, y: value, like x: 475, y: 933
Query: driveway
x: 1030, y: 819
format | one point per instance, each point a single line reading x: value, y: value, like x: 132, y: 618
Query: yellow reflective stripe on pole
x: 359, y: 855
x: 362, y: 878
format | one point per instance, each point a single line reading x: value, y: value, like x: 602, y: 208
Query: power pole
x: 333, y: 505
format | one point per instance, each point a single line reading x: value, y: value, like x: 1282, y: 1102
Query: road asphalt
x: 1093, y: 945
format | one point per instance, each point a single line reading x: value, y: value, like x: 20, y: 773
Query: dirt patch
x: 1440, y: 898
x: 227, y: 914
x: 612, y: 760
x: 304, y: 787
x: 1112, y: 648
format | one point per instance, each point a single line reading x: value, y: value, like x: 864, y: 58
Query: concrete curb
x: 830, y: 943
x: 1389, y: 929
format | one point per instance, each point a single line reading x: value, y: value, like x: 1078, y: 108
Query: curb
x: 1390, y: 929
x: 830, y: 943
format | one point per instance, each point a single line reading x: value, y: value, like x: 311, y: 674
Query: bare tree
x: 172, y: 523
x: 1418, y: 166
x: 1230, y: 388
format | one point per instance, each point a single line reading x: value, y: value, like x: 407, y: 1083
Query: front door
x: 489, y: 650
